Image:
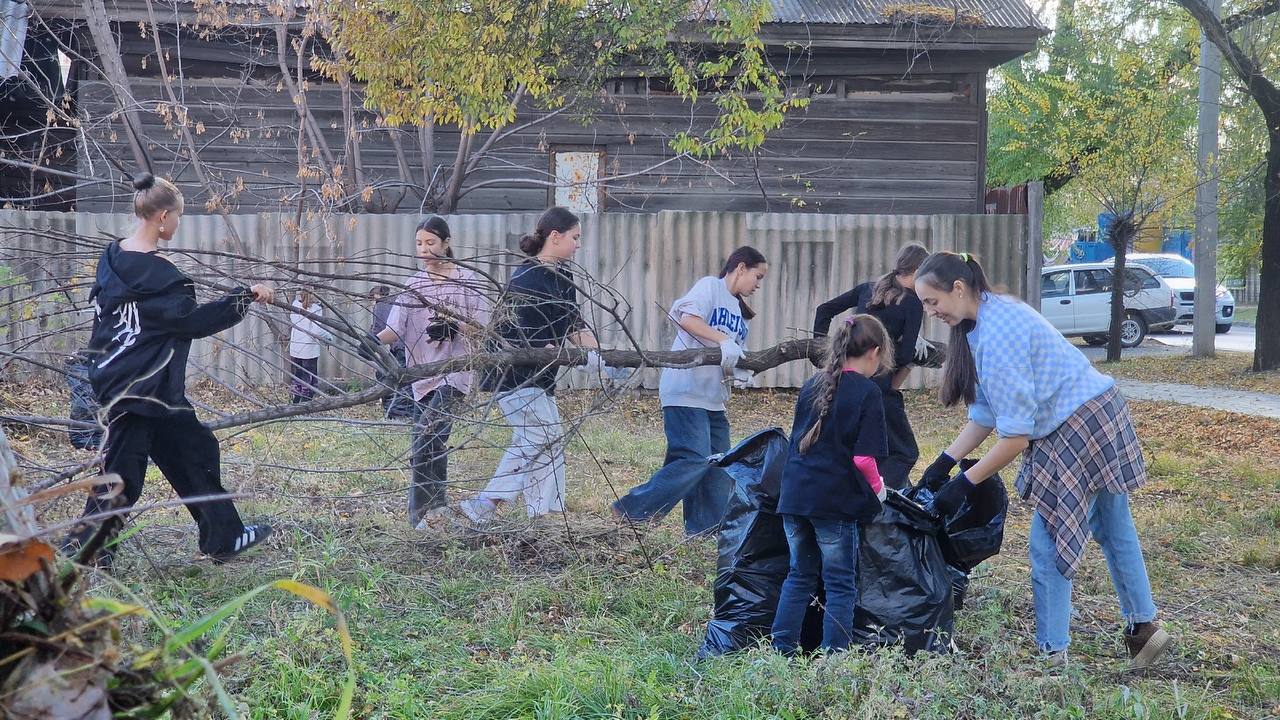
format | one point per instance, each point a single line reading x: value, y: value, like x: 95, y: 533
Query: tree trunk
x: 1266, y: 351
x: 791, y: 350
x: 427, y: 144
x: 305, y: 117
x: 113, y: 69
x: 355, y: 163
x: 1121, y: 234
x: 386, y: 202
x: 450, y: 202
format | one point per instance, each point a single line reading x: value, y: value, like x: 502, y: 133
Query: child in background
x: 304, y: 347
x: 831, y: 481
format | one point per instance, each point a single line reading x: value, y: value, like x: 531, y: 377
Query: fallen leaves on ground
x: 1182, y: 425
x: 1228, y: 370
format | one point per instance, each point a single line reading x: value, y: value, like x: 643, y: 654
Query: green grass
x: 1247, y: 314
x: 575, y: 617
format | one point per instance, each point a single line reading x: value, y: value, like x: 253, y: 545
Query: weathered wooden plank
x: 325, y: 97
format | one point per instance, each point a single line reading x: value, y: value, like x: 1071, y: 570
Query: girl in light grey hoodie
x: 713, y: 313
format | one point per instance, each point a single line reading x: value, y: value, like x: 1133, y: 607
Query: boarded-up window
x: 915, y: 88
x: 577, y: 174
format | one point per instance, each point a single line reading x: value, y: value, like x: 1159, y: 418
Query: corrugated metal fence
x: 644, y: 260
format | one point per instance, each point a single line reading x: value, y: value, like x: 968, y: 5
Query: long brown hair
x: 888, y: 291
x: 855, y: 337
x: 750, y: 257
x: 959, y: 373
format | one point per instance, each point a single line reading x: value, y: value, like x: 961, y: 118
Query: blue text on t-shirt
x: 729, y: 323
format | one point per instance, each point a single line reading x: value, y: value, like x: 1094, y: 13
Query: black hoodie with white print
x: 145, y: 317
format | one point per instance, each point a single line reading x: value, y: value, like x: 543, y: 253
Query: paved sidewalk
x: 1236, y: 401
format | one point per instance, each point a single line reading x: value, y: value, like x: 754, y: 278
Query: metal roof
x: 1007, y: 14
x: 974, y: 14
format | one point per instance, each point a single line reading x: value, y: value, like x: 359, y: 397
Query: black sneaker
x: 252, y: 535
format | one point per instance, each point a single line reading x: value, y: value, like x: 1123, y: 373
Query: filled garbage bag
x: 84, y: 407
x: 753, y: 557
x: 904, y: 583
x: 975, y: 531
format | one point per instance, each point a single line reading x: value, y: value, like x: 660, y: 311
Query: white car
x: 1076, y: 299
x: 1181, y: 276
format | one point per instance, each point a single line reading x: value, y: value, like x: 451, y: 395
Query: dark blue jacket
x: 823, y: 482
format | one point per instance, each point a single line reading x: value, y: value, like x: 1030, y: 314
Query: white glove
x: 742, y: 378
x: 594, y: 364
x: 923, y: 348
x: 883, y: 494
x: 730, y: 354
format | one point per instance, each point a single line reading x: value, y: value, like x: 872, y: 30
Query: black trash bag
x: 959, y: 588
x: 974, y: 532
x: 753, y: 555
x: 904, y: 583
x: 84, y: 407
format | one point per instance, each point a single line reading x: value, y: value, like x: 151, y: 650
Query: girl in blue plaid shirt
x: 1080, y: 455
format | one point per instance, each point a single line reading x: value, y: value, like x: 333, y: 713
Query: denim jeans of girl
x: 826, y: 549
x: 1111, y: 524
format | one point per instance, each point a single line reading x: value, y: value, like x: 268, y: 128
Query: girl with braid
x: 831, y: 481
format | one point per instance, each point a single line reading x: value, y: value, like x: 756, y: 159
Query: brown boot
x: 1146, y: 643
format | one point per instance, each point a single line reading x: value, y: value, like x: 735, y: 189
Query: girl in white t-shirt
x: 713, y: 313
x: 304, y: 347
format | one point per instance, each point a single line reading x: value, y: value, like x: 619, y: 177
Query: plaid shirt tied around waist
x: 1095, y: 449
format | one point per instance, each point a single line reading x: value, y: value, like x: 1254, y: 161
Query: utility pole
x: 1206, y: 251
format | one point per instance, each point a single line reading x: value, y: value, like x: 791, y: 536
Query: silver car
x: 1181, y: 276
x: 1076, y: 299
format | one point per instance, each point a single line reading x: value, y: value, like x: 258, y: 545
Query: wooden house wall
x: 907, y: 153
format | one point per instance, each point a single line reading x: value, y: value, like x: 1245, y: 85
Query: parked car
x: 1181, y: 276
x: 1076, y: 299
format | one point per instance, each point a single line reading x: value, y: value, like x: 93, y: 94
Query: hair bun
x: 143, y: 181
x: 531, y: 244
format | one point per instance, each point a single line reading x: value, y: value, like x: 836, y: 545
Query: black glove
x: 442, y: 330
x: 952, y: 495
x: 937, y: 474
x: 367, y: 348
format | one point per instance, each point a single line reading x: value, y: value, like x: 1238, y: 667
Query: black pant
x: 303, y: 385
x: 432, y: 426
x: 187, y: 453
x: 903, y: 450
x: 398, y: 404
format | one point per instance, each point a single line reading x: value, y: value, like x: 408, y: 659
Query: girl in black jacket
x: 145, y: 317
x: 892, y: 300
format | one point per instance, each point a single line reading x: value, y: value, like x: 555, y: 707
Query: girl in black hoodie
x: 145, y: 317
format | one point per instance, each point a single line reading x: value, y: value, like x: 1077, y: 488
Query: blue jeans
x: 1111, y: 524
x: 693, y: 434
x: 825, y: 548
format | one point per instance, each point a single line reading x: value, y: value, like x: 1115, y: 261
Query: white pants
x: 533, y: 464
